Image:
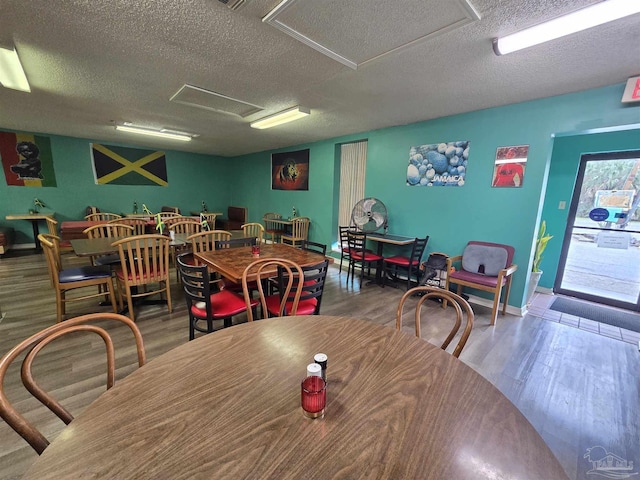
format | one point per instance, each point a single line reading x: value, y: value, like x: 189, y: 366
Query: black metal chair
x: 410, y: 264
x: 203, y: 304
x: 358, y: 254
x: 320, y: 248
x: 310, y: 297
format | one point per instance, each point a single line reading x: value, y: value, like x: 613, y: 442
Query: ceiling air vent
x: 233, y: 4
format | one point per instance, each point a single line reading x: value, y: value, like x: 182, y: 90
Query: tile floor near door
x: 540, y: 307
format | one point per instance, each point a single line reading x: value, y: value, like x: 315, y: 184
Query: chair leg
x: 59, y: 305
x: 496, y: 304
x: 168, y: 290
x: 112, y: 295
x: 130, y: 303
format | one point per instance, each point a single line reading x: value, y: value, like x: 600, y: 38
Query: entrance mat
x: 610, y: 316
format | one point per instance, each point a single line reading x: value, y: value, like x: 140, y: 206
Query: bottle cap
x: 321, y: 359
x: 314, y: 370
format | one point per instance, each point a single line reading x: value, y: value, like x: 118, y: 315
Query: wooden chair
x: 102, y: 217
x: 271, y: 229
x: 320, y: 248
x: 236, y: 242
x: 204, y: 305
x: 253, y: 230
x: 187, y: 227
x: 179, y: 219
x: 206, y: 241
x: 33, y: 345
x: 139, y: 224
x: 311, y: 291
x: 211, y: 219
x: 294, y: 278
x: 144, y: 261
x: 63, y: 280
x: 484, y: 266
x: 108, y: 230
x: 410, y: 264
x: 167, y: 215
x: 459, y: 304
x: 52, y: 226
x: 299, y: 231
x: 358, y: 254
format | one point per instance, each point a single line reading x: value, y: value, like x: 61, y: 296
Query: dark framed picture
x: 290, y: 170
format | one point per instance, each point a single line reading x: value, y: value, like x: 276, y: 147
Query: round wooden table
x: 227, y: 405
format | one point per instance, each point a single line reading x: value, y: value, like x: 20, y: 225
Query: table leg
x: 36, y: 232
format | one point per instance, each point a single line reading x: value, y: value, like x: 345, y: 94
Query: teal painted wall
x: 451, y: 216
x: 565, y: 160
x: 192, y: 178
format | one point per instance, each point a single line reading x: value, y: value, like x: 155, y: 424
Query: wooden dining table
x: 95, y: 247
x: 231, y: 262
x: 227, y: 405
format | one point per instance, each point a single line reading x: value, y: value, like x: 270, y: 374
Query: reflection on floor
x: 540, y: 308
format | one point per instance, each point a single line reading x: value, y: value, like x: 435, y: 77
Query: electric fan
x: 369, y: 215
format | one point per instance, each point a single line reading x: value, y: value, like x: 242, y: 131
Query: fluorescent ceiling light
x: 184, y: 137
x: 11, y: 73
x: 282, y: 117
x: 577, y: 21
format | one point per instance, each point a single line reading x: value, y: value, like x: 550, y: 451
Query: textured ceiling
x: 92, y: 64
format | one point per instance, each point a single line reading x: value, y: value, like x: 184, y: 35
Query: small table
x: 34, y: 218
x: 231, y: 262
x: 227, y: 405
x: 390, y: 238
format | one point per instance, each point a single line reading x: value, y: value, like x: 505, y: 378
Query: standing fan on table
x: 369, y: 215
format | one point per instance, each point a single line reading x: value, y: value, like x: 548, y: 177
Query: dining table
x: 231, y: 262
x: 228, y: 405
x: 35, y: 219
x: 95, y: 247
x: 389, y: 238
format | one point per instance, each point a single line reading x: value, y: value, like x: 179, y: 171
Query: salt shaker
x: 321, y: 359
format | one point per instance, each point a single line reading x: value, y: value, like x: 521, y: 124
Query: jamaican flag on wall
x: 128, y: 166
x: 27, y: 160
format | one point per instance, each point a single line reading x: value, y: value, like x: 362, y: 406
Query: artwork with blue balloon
x: 438, y: 165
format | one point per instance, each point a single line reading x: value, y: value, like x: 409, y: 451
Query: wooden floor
x: 578, y: 389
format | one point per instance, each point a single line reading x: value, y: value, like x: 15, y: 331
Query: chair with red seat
x: 484, y: 266
x: 310, y: 295
x: 358, y: 254
x: 205, y: 305
x: 410, y: 264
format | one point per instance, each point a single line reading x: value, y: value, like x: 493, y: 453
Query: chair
x: 63, y: 280
x: 320, y: 248
x: 410, y: 264
x: 358, y: 254
x: 102, y: 217
x: 484, y: 266
x: 253, y: 230
x: 211, y: 219
x: 33, y: 345
x: 139, y: 224
x: 52, y: 226
x: 204, y: 305
x: 299, y: 231
x: 459, y: 304
x: 271, y: 229
x: 236, y: 217
x: 187, y: 227
x: 344, y: 244
x: 144, y: 261
x: 166, y: 215
x: 310, y: 292
x: 206, y: 241
x: 292, y: 286
x: 108, y: 230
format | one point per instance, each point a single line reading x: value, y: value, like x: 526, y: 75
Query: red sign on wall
x: 632, y: 91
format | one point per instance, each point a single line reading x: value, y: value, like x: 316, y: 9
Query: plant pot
x: 533, y: 284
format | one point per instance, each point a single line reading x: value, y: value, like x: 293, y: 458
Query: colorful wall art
x: 290, y: 170
x: 128, y: 166
x: 509, y: 166
x: 438, y: 164
x: 27, y: 160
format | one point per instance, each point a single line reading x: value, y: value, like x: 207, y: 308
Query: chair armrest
x: 508, y: 271
x: 452, y: 260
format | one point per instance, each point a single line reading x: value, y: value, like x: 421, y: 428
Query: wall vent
x: 233, y: 4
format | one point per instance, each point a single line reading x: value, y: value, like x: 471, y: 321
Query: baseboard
x: 485, y: 302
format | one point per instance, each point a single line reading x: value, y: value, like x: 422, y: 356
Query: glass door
x: 600, y: 258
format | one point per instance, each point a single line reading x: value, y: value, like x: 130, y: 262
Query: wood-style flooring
x: 578, y: 389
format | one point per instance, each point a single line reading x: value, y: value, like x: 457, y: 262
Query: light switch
x: 562, y: 205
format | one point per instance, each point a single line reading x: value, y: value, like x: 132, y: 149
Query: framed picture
x: 509, y: 166
x: 290, y: 170
x: 438, y: 164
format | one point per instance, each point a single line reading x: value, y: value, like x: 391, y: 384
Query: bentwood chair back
x: 460, y: 305
x: 102, y: 217
x: 52, y: 226
x: 299, y: 231
x: 261, y: 270
x: 272, y: 229
x: 206, y: 241
x: 205, y: 305
x: 34, y: 344
x: 139, y: 224
x: 72, y: 278
x: 144, y: 262
x: 253, y: 230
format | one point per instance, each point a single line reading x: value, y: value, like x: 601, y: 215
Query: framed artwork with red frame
x: 509, y: 167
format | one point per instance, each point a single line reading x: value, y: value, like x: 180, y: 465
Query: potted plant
x: 536, y: 273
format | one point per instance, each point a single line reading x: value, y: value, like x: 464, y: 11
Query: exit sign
x: 632, y: 91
